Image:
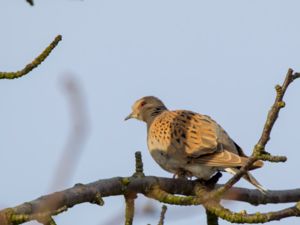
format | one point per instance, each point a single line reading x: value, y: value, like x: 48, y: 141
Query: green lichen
x: 298, y: 206
x: 162, y: 196
x: 125, y: 181
x: 139, y: 170
x: 35, y: 63
x: 233, y: 217
x: 129, y: 210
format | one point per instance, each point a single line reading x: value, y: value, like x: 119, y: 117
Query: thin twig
x: 36, y: 62
x: 258, y: 217
x: 129, y: 210
x: 139, y: 170
x: 259, y: 149
x: 162, y: 215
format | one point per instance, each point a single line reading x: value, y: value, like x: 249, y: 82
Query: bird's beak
x: 129, y: 116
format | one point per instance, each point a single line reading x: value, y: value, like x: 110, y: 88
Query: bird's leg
x: 210, y: 183
x: 214, y: 179
x: 182, y: 174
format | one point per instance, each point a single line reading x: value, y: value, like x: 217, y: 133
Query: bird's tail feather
x: 249, y: 178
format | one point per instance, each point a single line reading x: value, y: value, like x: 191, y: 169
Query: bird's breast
x: 159, y: 149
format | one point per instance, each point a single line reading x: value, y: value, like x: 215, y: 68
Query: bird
x: 189, y: 144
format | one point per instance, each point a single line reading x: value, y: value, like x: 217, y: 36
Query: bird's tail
x: 249, y: 178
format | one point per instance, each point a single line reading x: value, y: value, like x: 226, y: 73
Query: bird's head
x: 146, y: 108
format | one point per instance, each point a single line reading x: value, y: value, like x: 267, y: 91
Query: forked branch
x: 259, y: 149
x: 170, y: 191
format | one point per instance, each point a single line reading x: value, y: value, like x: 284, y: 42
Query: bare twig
x: 139, y: 170
x: 162, y: 215
x: 243, y: 217
x: 129, y: 210
x: 36, y: 62
x: 171, y: 191
x: 259, y: 149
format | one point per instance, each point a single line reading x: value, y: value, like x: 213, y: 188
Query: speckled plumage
x: 187, y: 143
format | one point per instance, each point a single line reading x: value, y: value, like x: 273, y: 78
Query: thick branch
x: 54, y: 203
x: 211, y: 218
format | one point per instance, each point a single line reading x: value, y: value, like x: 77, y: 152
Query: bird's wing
x: 225, y: 159
x: 204, y: 141
x: 194, y: 133
x: 221, y: 159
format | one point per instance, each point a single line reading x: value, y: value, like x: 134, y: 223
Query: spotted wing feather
x: 194, y: 133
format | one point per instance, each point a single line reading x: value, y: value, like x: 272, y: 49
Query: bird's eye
x: 142, y: 104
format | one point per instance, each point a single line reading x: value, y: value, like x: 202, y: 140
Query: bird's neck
x: 152, y: 113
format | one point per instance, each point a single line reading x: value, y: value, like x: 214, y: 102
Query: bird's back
x: 188, y: 133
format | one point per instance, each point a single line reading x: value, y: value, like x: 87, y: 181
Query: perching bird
x: 189, y: 144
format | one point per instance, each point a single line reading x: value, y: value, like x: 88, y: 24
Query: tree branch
x: 129, y: 209
x: 171, y: 191
x: 259, y: 149
x: 36, y: 62
x: 258, y: 217
x: 162, y: 215
x: 211, y: 218
x: 59, y: 202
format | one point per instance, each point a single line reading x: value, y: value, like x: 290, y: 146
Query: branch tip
x: 139, y: 170
x: 271, y: 158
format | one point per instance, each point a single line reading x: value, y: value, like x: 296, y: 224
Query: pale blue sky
x: 221, y: 58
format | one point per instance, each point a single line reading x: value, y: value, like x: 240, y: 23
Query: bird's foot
x: 182, y: 174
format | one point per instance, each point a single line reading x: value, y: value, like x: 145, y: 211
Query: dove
x: 189, y: 144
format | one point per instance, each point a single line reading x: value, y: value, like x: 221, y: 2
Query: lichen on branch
x: 171, y: 191
x: 259, y: 149
x: 35, y: 63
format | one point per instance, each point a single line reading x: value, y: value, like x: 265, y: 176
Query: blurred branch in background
x: 30, y: 2
x: 77, y: 137
x: 35, y: 63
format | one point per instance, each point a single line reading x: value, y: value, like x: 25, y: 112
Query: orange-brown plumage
x: 187, y: 143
